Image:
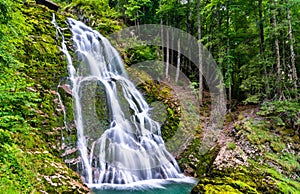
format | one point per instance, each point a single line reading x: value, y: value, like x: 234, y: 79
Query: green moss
x: 199, y: 162
x: 223, y: 185
x: 231, y: 145
x: 220, y: 189
x: 96, y: 14
x: 273, y: 167
x: 31, y: 66
x: 277, y: 146
x: 257, y: 132
x: 282, y: 113
x: 154, y: 92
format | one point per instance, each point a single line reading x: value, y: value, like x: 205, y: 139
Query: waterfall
x: 130, y: 148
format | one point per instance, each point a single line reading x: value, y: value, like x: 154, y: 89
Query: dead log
x: 49, y: 4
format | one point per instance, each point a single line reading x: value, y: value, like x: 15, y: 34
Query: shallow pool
x: 149, y: 187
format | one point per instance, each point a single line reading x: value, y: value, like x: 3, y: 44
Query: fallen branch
x: 48, y: 4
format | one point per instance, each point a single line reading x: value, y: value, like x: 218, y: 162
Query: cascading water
x: 130, y: 149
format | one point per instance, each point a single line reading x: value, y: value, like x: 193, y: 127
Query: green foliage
x: 13, y: 168
x: 140, y: 54
x: 253, y: 99
x: 4, y: 11
x: 286, y: 112
x: 28, y: 56
x: 62, y: 2
x: 233, y: 34
x: 229, y: 60
x: 133, y: 8
x: 253, y: 81
x: 96, y: 14
x: 17, y: 103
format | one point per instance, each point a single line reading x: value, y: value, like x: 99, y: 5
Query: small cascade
x: 129, y: 147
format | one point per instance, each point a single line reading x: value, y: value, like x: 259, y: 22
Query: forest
x: 255, y: 45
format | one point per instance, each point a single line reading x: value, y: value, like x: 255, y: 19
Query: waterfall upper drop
x: 131, y: 148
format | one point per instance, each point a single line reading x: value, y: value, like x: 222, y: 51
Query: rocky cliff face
x: 252, y: 156
x: 30, y: 129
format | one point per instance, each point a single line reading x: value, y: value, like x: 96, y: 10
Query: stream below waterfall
x: 169, y: 188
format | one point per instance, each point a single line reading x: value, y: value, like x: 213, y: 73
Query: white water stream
x: 131, y: 149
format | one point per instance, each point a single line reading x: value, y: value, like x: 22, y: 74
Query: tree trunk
x: 211, y: 35
x: 162, y: 39
x: 200, y: 54
x: 138, y: 23
x: 219, y: 34
x: 178, y: 60
x: 277, y: 48
x: 229, y: 66
x: 172, y: 45
x: 262, y: 44
x: 279, y: 70
x: 261, y: 28
x: 294, y: 70
x: 189, y: 30
x: 168, y: 52
x: 283, y: 58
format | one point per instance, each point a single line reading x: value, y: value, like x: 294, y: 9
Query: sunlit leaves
x: 133, y: 8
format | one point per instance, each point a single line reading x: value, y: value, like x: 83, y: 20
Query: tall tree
x: 200, y: 53
x: 162, y: 35
x: 262, y: 42
x: 267, y: 51
x: 133, y: 9
x: 178, y: 60
x: 168, y: 51
x: 261, y: 27
x: 277, y: 49
x: 294, y: 70
x: 229, y: 61
x: 189, y: 30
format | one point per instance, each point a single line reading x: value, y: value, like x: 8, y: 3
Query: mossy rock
x: 30, y: 134
x: 225, y: 185
x: 272, y: 163
x: 155, y: 92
